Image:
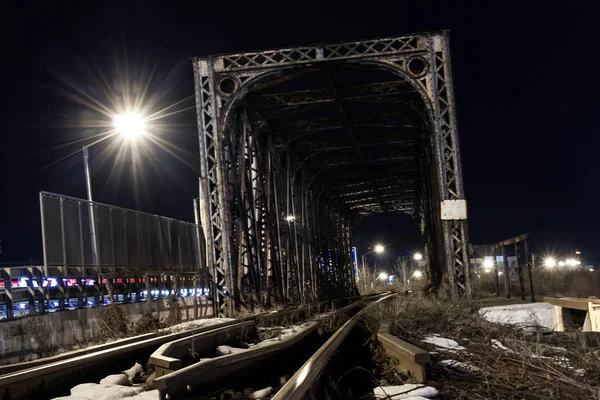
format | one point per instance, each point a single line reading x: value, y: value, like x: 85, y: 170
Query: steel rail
x: 304, y: 380
x: 20, y: 383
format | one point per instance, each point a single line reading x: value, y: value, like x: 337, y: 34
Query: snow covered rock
x: 225, y: 350
x: 133, y: 371
x: 405, y: 392
x: 261, y: 394
x: 95, y: 391
x: 149, y: 395
x: 458, y: 365
x: 532, y: 314
x: 442, y: 343
x: 117, y: 379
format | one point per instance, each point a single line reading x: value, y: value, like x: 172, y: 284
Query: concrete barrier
x: 70, y: 329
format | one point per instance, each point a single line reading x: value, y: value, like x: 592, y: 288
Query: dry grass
x: 532, y: 365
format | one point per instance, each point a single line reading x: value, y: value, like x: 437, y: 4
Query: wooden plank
x: 557, y: 319
x: 411, y: 359
x: 401, y: 347
x: 571, y: 302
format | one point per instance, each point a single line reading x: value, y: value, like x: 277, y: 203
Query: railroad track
x: 271, y: 366
x: 43, y: 379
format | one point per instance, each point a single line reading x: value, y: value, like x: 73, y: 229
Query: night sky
x: 525, y: 83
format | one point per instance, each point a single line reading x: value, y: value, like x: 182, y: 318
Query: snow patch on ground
x: 496, y: 344
x: 199, y: 323
x: 534, y: 314
x: 458, y: 365
x: 442, y: 343
x: 226, y: 350
x: 118, y: 379
x: 404, y: 392
x: 285, y: 333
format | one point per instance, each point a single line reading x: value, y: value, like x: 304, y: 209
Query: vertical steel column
x: 529, y: 265
x: 520, y: 271
x: 44, y: 249
x: 83, y: 289
x: 506, y: 273
x: 447, y: 157
x: 496, y: 279
x: 214, y: 185
x: 8, y: 296
x: 61, y: 284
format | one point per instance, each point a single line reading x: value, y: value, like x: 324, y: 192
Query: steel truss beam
x: 341, y: 144
x: 386, y: 120
x: 345, y: 161
x: 359, y: 92
x: 264, y: 224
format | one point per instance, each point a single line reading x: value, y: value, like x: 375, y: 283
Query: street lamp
x: 383, y: 276
x: 550, y: 262
x: 379, y: 249
x: 418, y: 256
x: 130, y: 126
x: 418, y: 274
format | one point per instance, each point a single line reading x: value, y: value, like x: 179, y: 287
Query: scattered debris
x: 522, y: 359
x: 199, y: 323
x: 404, y: 392
x: 458, y: 365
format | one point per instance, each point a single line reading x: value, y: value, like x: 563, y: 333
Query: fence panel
x: 125, y: 238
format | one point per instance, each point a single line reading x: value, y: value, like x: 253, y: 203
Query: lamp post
x: 379, y: 249
x: 130, y: 126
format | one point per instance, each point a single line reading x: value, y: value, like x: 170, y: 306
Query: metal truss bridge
x: 298, y: 143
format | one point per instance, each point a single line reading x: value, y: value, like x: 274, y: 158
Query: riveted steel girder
x: 274, y: 231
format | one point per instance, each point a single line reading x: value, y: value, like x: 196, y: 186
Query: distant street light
x: 418, y: 256
x: 379, y: 249
x: 418, y: 274
x: 571, y: 262
x: 487, y: 263
x: 383, y: 276
x: 550, y: 262
x: 561, y: 263
x: 290, y: 218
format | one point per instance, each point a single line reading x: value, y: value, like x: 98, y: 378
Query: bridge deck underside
x: 362, y: 143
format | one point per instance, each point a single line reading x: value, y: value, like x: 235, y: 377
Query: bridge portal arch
x: 293, y: 149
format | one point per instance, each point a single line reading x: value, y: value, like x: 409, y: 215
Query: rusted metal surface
x: 304, y: 380
x: 277, y: 128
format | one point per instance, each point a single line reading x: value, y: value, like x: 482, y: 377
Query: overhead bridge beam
x: 347, y: 93
x: 338, y: 144
x: 384, y: 120
x: 345, y: 161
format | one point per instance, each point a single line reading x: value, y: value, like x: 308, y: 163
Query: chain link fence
x: 124, y: 238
